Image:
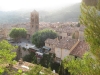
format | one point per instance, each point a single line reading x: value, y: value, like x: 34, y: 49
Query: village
x: 70, y: 40
x: 50, y: 37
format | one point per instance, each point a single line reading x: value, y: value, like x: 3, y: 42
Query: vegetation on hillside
x: 6, y: 62
x: 30, y: 58
x: 6, y: 55
x: 39, y: 70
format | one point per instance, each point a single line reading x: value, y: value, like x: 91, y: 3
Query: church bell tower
x: 34, y: 24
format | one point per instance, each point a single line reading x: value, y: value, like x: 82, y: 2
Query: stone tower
x: 34, y: 24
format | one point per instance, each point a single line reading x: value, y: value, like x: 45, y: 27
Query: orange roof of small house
x: 80, y: 49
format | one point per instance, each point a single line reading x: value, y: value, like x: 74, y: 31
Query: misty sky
x: 9, y: 5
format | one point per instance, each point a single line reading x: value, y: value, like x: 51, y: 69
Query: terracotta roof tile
x: 80, y: 49
x: 66, y: 43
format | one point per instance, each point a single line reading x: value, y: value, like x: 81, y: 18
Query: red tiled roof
x: 64, y: 43
x: 80, y: 49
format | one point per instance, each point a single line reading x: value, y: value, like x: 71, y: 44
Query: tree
x: 39, y: 37
x: 6, y: 54
x: 30, y: 58
x: 90, y: 18
x: 63, y: 70
x: 84, y: 66
x: 47, y: 60
x: 90, y: 62
x: 18, y: 33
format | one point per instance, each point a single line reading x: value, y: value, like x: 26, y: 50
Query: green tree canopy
x: 6, y: 54
x: 91, y: 19
x: 84, y: 66
x: 18, y: 33
x: 39, y: 37
x: 47, y: 60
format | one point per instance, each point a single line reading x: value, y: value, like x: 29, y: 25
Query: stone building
x: 34, y: 24
x: 66, y: 46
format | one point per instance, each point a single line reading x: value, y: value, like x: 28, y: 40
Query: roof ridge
x: 74, y: 46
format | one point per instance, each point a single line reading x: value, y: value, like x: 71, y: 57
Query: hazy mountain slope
x: 65, y: 14
x: 70, y: 13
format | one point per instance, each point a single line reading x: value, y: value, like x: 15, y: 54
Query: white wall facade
x: 58, y: 52
x: 61, y: 53
x: 65, y: 52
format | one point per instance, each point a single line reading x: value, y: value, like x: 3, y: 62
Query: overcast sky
x: 9, y: 5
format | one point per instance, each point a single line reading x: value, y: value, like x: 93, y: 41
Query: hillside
x: 70, y: 13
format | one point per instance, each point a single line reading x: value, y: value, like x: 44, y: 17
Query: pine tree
x: 89, y: 64
x: 91, y: 19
